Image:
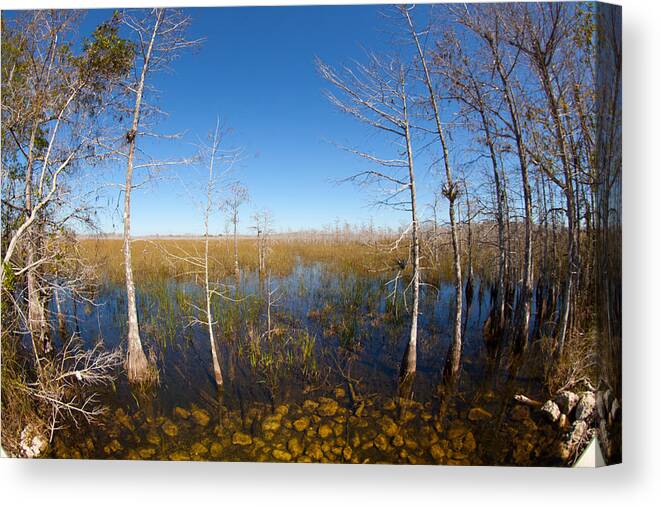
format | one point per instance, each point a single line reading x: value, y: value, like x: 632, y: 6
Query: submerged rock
x: 389, y: 426
x: 522, y: 451
x: 241, y: 439
x: 154, y: 438
x: 325, y: 431
x: 124, y: 419
x: 410, y: 444
x: 281, y: 455
x: 181, y: 412
x: 199, y: 449
x: 469, y: 442
x: 327, y: 407
x: 302, y: 423
x: 170, y: 428
x: 113, y: 447
x: 147, y: 452
x: 414, y: 460
x: 381, y: 442
x: 389, y: 405
x: 347, y: 453
x: 478, y: 414
x: 133, y: 455
x: 437, y: 453
x: 314, y: 451
x: 271, y: 423
x: 295, y: 447
x: 519, y: 413
x: 282, y: 410
x: 310, y: 405
x: 201, y: 416
x: 216, y: 450
x: 179, y: 456
x: 457, y: 430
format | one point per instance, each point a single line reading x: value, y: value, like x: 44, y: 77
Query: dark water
x: 330, y: 364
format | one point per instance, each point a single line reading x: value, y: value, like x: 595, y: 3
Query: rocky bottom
x: 331, y: 429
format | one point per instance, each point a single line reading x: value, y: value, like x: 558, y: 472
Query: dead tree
x: 451, y: 193
x: 544, y: 35
x: 263, y: 224
x: 486, y: 23
x: 469, y: 79
x: 238, y: 195
x: 376, y: 94
x: 207, y: 286
x: 220, y: 162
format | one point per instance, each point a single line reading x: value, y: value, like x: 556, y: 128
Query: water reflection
x: 334, y: 340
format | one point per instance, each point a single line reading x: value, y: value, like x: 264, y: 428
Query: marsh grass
x: 341, y: 291
x: 151, y: 262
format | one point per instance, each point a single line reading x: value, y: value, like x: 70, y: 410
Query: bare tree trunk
x: 469, y: 267
x: 522, y: 317
x: 572, y: 251
x: 61, y: 321
x: 450, y: 192
x: 36, y: 310
x: 498, y: 314
x: 542, y: 60
x: 237, y: 272
x: 36, y: 313
x: 136, y: 360
x: 269, y: 303
x: 410, y: 361
x: 207, y: 289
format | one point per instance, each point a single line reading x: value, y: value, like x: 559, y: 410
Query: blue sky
x: 256, y: 71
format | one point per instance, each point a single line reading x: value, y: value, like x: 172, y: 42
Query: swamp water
x: 321, y: 386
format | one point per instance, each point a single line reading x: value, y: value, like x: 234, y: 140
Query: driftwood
x: 524, y: 400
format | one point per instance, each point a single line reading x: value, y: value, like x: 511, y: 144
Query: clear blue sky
x: 256, y: 70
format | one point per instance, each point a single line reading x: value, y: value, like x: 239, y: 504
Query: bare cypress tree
x: 540, y: 33
x: 238, y: 195
x: 463, y: 74
x: 159, y: 36
x: 451, y: 192
x: 263, y: 223
x: 376, y: 94
x: 486, y: 23
x: 207, y: 287
x: 220, y: 162
x: 136, y: 360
